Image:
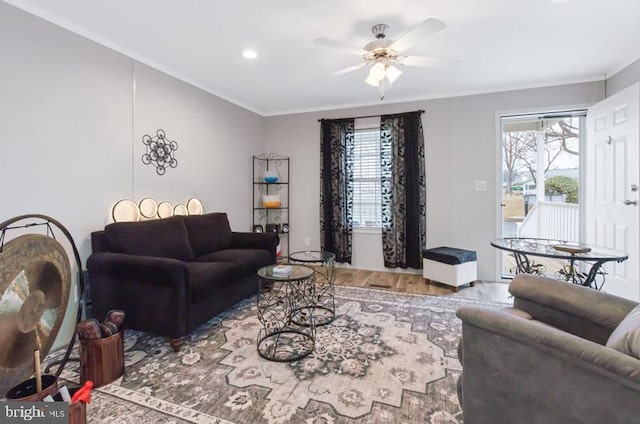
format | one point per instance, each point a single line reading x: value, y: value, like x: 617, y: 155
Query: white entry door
x: 612, y: 173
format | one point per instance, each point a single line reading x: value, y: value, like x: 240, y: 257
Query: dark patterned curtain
x: 403, y: 190
x: 336, y: 187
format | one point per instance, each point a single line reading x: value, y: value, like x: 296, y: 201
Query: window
x: 366, y: 182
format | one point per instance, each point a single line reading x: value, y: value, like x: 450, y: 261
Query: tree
x: 520, y: 148
x: 562, y: 132
x: 561, y: 184
x: 515, y: 146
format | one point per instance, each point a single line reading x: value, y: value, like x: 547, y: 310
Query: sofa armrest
x: 99, y: 242
x: 246, y: 240
x: 519, y: 370
x: 154, y: 292
x: 583, y: 353
x: 164, y: 271
x: 576, y: 309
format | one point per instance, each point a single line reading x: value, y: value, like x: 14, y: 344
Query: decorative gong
x: 35, y: 280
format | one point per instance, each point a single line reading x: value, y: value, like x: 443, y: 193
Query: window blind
x: 366, y: 184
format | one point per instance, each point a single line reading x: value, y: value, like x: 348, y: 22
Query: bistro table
x: 286, y: 304
x: 523, y: 248
x: 324, y: 265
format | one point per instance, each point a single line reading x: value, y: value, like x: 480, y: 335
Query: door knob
x: 631, y: 202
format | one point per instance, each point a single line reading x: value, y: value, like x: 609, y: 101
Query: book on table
x: 282, y: 270
x: 573, y: 249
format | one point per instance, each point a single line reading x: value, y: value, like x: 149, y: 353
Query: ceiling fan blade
x: 423, y: 61
x: 347, y: 70
x: 408, y: 40
x: 342, y: 71
x: 337, y: 44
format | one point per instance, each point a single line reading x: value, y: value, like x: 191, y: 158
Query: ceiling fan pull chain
x: 381, y: 89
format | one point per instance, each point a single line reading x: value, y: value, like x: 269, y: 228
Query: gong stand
x: 48, y: 223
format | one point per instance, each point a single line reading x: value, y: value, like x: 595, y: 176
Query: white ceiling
x: 494, y: 44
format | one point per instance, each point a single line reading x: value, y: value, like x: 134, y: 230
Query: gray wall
x: 461, y: 143
x: 623, y: 78
x: 72, y: 122
x: 216, y: 140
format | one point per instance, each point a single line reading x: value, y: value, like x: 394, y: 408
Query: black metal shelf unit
x: 271, y: 214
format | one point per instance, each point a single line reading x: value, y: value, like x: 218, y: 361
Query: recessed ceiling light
x: 250, y: 54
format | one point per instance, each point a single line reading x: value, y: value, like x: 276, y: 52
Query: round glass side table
x: 285, y: 309
x: 324, y: 264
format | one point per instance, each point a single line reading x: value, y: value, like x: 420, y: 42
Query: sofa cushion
x: 166, y: 238
x: 251, y: 259
x: 626, y: 337
x: 208, y: 278
x: 208, y: 233
x: 449, y: 255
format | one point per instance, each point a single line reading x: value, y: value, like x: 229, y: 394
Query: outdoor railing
x: 552, y: 220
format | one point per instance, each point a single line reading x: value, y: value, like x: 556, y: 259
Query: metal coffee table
x: 324, y: 264
x: 285, y: 309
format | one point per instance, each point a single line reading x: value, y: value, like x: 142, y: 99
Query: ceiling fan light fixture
x: 372, y: 80
x: 393, y: 73
x: 381, y: 54
x: 378, y: 71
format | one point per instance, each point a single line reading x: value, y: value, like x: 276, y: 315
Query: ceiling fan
x: 383, y: 54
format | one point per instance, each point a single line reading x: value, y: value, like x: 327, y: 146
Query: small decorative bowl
x: 270, y: 177
x: 271, y: 201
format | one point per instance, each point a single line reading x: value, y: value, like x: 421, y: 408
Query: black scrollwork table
x: 285, y: 309
x: 324, y: 264
x: 523, y: 248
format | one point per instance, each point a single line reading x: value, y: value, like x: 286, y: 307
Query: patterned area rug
x: 386, y: 358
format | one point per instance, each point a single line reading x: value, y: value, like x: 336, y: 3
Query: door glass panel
x: 541, y: 181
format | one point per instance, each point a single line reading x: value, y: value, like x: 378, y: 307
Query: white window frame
x: 361, y: 126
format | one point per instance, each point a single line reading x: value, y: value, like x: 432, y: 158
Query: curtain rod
x: 371, y: 116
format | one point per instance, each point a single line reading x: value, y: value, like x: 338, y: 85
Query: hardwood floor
x: 490, y: 291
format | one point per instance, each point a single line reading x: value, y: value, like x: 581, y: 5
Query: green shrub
x: 563, y: 185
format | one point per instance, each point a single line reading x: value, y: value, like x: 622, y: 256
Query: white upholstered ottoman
x: 451, y: 266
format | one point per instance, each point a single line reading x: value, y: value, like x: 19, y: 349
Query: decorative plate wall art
x: 148, y: 208
x: 165, y: 210
x: 180, y: 210
x: 125, y: 210
x: 159, y: 152
x: 194, y: 206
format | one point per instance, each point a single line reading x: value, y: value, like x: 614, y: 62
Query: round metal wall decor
x: 159, y: 152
